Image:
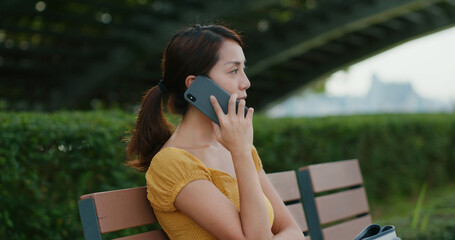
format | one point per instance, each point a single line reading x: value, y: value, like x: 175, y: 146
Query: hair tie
x: 163, y: 87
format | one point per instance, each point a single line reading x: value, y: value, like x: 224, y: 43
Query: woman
x: 206, y: 181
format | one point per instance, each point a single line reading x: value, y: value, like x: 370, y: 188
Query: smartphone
x: 198, y: 94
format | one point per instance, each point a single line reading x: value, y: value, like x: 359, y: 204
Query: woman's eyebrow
x: 234, y: 62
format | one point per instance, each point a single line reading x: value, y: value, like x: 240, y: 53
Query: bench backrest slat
x: 347, y: 230
x: 117, y: 210
x: 334, y: 175
x: 286, y: 185
x: 122, y: 209
x: 341, y: 205
x: 298, y: 214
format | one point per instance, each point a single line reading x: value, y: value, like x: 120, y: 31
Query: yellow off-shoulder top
x: 170, y: 170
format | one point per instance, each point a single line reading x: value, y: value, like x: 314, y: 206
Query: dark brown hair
x: 192, y: 51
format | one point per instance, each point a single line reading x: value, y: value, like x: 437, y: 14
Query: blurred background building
x: 382, y: 97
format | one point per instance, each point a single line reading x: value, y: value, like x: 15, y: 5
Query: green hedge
x: 48, y: 160
x: 397, y: 153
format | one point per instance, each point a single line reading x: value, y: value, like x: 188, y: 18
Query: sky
x: 428, y: 63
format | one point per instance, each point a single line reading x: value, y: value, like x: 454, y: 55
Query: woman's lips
x: 241, y: 98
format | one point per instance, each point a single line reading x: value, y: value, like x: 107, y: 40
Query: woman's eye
x: 235, y: 71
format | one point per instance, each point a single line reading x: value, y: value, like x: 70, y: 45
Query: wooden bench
x: 335, y: 200
x: 112, y: 211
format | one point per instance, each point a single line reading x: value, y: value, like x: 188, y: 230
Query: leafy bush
x: 397, y: 153
x: 49, y: 160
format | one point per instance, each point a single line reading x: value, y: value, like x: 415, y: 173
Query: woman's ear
x: 189, y: 80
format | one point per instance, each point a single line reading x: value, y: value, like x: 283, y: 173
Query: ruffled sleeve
x: 256, y: 159
x: 170, y: 170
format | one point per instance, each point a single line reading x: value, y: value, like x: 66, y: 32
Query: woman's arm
x: 253, y: 209
x: 207, y: 206
x: 284, y: 226
x: 201, y: 201
x: 235, y: 133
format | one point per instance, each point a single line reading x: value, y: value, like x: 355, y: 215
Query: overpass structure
x: 339, y: 34
x: 65, y: 53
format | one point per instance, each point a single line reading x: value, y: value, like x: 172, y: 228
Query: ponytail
x: 150, y: 133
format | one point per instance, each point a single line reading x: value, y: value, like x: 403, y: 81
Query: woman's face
x: 229, y: 71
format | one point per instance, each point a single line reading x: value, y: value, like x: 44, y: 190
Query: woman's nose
x: 244, y: 82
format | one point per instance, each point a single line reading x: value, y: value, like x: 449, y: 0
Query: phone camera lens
x: 191, y: 97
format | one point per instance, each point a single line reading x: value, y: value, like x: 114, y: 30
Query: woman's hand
x: 235, y: 132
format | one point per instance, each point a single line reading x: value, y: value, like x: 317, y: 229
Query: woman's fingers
x: 216, y: 106
x: 231, y: 104
x: 234, y: 110
x: 241, y: 108
x: 217, y: 131
x: 249, y: 114
x: 235, y: 130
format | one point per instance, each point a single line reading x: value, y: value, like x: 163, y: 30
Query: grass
x: 429, y: 215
